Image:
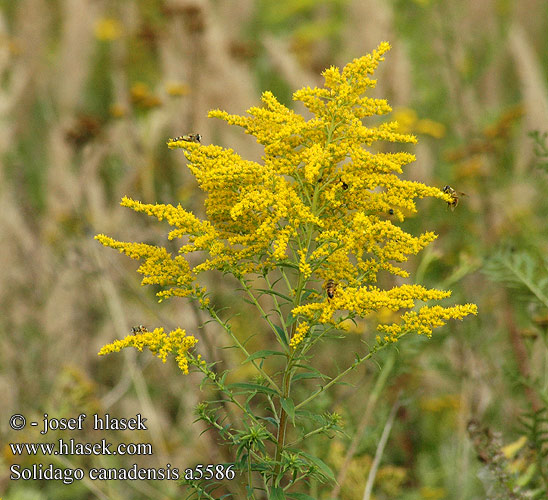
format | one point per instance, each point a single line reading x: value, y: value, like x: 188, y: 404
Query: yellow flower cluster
x: 298, y: 336
x: 322, y: 202
x: 425, y: 320
x: 159, y: 343
x: 254, y: 211
x: 304, y: 266
x: 159, y: 268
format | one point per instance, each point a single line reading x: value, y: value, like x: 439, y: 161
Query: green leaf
x: 288, y: 264
x: 244, y: 386
x: 273, y: 292
x: 521, y: 270
x: 277, y: 494
x: 300, y: 376
x: 527, y: 476
x: 289, y: 406
x: 290, y: 320
x: 311, y: 369
x: 281, y: 334
x: 321, y: 465
x: 300, y: 496
x: 262, y: 354
x: 270, y: 420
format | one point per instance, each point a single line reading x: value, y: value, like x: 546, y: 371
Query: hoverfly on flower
x: 135, y: 330
x: 187, y: 138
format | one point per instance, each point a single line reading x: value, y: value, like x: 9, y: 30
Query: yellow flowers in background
x: 177, y: 89
x: 409, y: 122
x: 142, y: 96
x: 108, y: 29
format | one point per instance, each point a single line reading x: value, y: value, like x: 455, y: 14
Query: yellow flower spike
x: 304, y: 266
x: 300, y: 332
x: 159, y: 343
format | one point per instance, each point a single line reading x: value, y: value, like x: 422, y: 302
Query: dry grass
x: 66, y: 162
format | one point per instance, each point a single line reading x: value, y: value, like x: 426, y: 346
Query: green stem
x: 286, y: 389
x: 227, y: 328
x: 249, y: 478
x: 224, y: 390
x: 278, y: 309
x: 353, y: 366
x: 283, y: 414
x: 261, y: 310
x: 334, y: 380
x: 311, y: 433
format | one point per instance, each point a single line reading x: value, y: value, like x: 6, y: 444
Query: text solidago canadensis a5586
x: 322, y: 206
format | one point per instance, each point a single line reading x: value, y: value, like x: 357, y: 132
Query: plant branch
x: 227, y: 328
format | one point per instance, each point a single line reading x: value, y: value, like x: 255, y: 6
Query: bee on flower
x: 455, y: 195
x: 330, y: 288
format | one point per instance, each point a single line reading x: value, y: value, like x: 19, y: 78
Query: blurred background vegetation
x: 90, y: 92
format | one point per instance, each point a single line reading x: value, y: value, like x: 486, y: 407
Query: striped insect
x: 135, y: 330
x: 187, y: 138
x: 455, y: 195
x: 330, y: 288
